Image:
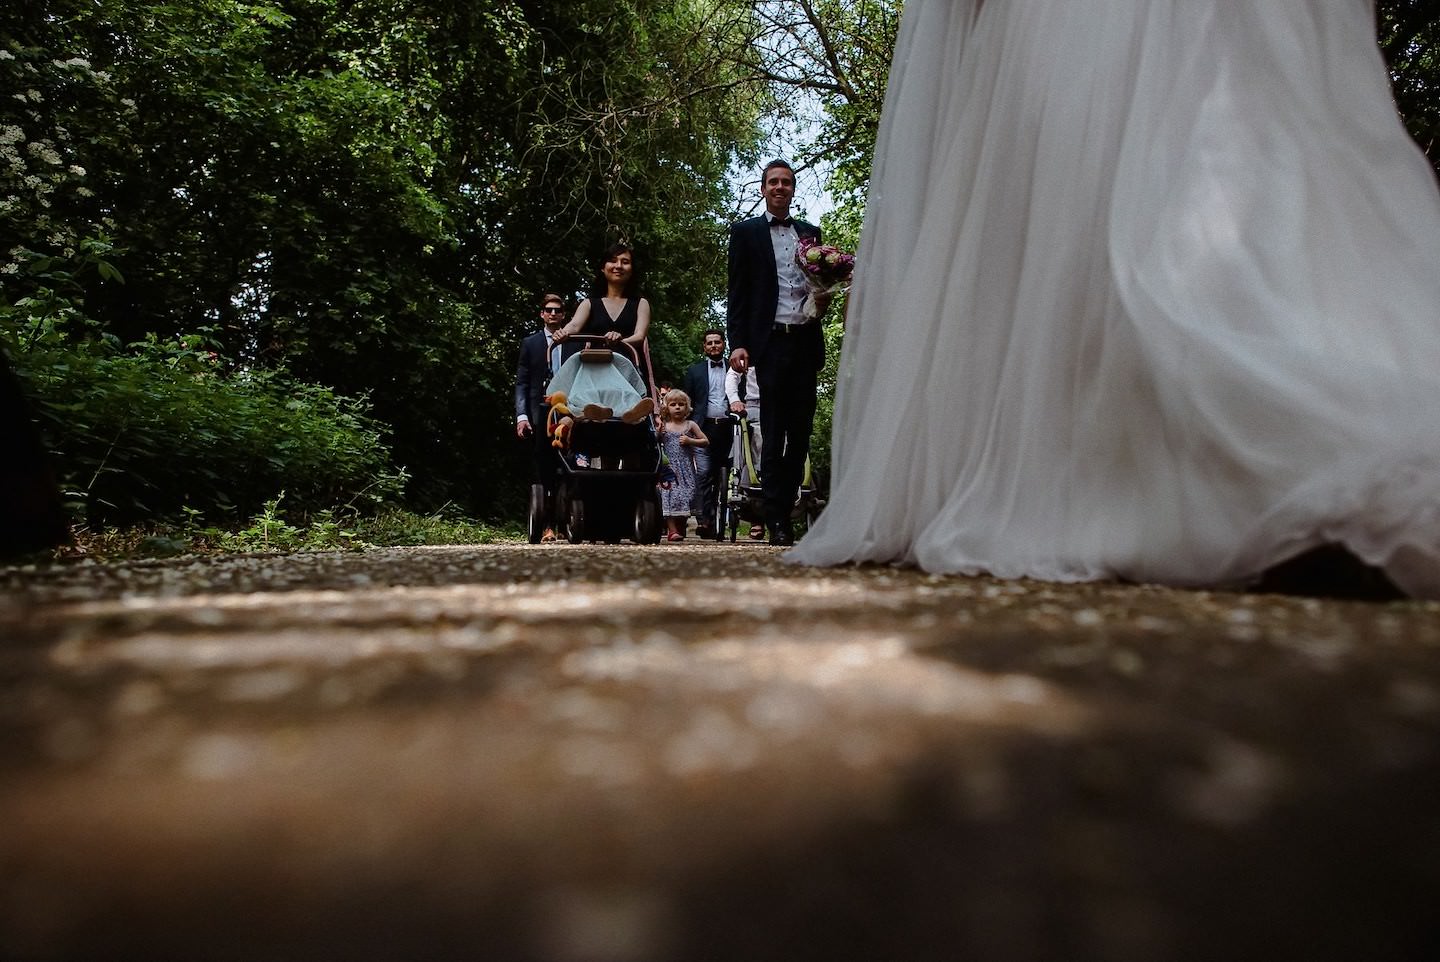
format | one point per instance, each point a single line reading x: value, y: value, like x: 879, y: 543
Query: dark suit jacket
x: 697, y: 385
x: 754, y: 291
x: 532, y: 374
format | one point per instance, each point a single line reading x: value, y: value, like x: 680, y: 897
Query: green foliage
x: 820, y: 443
x: 53, y: 234
x: 1410, y: 40
x: 146, y: 431
x: 276, y: 529
x: 346, y: 530
x: 270, y: 531
x: 368, y: 194
x: 394, y: 527
x: 638, y: 111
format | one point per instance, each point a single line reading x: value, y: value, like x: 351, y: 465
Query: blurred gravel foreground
x: 696, y: 752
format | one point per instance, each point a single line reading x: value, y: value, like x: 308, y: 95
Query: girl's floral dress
x: 675, y: 499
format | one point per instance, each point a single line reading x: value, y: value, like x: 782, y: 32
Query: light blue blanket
x: 616, y: 385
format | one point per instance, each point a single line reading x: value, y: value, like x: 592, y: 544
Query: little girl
x: 677, y: 435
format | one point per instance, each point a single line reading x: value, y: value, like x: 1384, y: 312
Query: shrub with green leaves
x: 146, y: 430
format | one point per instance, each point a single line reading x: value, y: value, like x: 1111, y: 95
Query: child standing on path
x: 678, y: 434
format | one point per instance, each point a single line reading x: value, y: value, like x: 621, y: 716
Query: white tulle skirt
x: 1148, y: 289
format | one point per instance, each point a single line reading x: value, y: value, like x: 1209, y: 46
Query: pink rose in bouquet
x: 827, y: 270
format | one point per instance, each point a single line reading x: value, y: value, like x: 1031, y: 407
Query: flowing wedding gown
x: 1147, y: 289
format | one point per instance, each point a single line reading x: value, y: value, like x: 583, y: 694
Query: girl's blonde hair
x: 673, y: 393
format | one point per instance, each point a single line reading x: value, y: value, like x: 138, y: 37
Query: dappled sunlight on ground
x: 596, y: 752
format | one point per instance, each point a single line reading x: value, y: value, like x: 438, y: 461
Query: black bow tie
x: 717, y: 363
x: 782, y: 222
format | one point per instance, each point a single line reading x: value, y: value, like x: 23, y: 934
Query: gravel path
x: 696, y: 752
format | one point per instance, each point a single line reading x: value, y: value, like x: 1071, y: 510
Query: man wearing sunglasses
x: 531, y: 377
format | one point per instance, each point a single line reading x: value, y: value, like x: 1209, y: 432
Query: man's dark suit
x: 532, y: 374
x: 720, y: 433
x: 787, y: 363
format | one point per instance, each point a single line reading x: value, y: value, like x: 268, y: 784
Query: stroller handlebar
x: 632, y: 354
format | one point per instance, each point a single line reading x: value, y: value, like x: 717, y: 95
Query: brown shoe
x: 639, y: 412
x: 596, y: 412
x: 548, y: 537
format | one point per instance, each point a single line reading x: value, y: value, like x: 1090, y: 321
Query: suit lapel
x: 765, y: 253
x: 761, y: 233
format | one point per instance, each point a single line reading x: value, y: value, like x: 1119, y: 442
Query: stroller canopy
x: 615, y: 384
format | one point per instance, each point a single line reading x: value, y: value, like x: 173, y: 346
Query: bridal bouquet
x: 827, y: 271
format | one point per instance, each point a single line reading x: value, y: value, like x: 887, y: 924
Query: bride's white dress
x: 1148, y: 289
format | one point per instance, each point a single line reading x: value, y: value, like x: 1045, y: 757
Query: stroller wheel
x: 576, y: 521
x: 537, y: 513
x: 647, y: 522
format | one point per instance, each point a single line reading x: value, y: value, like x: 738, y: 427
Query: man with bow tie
x: 768, y: 328
x: 705, y: 383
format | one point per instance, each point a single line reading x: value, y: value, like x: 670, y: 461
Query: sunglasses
x: 552, y: 310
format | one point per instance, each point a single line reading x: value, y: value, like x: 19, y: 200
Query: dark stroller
x: 742, y: 498
x: 609, y: 458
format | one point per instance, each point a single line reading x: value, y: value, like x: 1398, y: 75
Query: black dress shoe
x: 781, y: 535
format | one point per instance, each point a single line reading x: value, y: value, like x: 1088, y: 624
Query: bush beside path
x: 698, y: 752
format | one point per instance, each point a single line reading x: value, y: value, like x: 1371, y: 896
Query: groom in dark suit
x: 532, y: 374
x: 768, y: 328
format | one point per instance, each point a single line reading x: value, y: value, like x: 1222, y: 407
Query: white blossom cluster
x: 44, y: 151
x: 37, y: 166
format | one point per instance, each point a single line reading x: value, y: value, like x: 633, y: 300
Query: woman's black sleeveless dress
x: 600, y: 322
